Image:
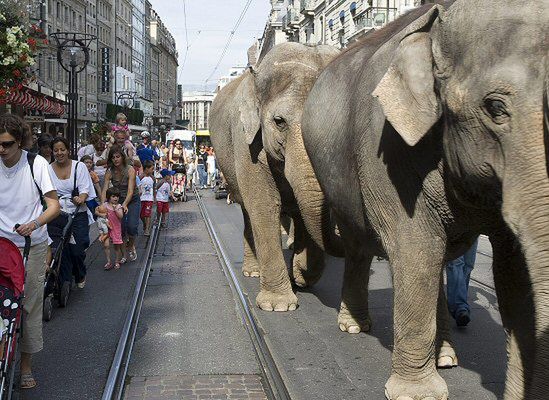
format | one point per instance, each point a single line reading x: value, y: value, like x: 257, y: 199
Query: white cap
x: 145, y: 134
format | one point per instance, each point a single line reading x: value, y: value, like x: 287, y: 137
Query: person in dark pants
x: 458, y: 274
x: 74, y: 187
x: 201, y: 158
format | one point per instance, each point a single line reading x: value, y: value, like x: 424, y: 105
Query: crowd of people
x: 110, y: 182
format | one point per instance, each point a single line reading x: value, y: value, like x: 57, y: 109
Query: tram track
x: 274, y: 383
x: 114, y: 387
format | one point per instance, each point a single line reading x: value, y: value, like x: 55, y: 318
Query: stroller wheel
x: 64, y: 295
x: 47, y: 311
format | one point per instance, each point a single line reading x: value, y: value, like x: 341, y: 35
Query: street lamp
x: 125, y: 98
x: 73, y: 54
x: 149, y: 122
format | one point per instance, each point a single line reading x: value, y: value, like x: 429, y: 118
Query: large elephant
x: 263, y: 185
x: 438, y: 125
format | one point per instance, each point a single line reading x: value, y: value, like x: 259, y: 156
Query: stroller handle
x: 26, y: 250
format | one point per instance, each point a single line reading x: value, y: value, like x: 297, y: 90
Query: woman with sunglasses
x: 21, y: 203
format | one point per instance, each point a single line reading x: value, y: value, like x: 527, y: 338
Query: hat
x: 165, y: 172
x: 145, y: 134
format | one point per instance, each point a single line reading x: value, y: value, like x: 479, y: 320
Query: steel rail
x: 114, y: 388
x: 276, y: 388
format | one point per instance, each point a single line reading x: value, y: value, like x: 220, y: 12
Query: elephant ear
x: 407, y: 90
x: 249, y: 109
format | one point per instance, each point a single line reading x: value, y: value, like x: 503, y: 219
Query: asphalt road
x: 321, y: 362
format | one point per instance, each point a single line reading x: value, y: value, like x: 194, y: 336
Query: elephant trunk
x: 526, y: 210
x: 311, y: 201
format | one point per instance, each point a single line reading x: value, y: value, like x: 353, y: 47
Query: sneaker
x: 82, y: 284
x: 463, y: 319
x: 133, y: 255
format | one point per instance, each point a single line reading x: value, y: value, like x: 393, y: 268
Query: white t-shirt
x: 147, y: 186
x: 163, y: 192
x: 100, y: 171
x: 211, y: 163
x: 19, y: 197
x: 66, y: 186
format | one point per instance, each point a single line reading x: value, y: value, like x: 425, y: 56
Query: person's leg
x: 31, y: 338
x: 81, y: 234
x: 454, y: 285
x: 107, y: 249
x: 132, y: 227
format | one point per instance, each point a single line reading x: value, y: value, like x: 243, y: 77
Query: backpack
x: 30, y: 160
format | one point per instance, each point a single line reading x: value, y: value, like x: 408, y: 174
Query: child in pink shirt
x: 115, y: 213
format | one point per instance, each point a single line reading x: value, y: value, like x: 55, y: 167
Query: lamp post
x: 149, y: 122
x: 73, y: 55
x: 125, y: 98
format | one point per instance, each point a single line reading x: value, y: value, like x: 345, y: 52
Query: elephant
x: 442, y: 118
x: 263, y: 185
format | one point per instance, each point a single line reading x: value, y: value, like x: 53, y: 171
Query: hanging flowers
x: 17, y: 48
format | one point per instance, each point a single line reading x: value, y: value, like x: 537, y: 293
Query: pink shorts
x: 162, y: 207
x: 146, y: 209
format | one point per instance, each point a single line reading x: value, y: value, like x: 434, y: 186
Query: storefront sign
x: 105, y: 70
x: 34, y: 118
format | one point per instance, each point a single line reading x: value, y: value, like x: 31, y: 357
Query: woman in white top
x: 74, y: 187
x: 21, y: 203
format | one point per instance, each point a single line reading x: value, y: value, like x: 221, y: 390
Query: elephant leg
x: 308, y: 259
x: 263, y: 205
x: 446, y: 354
x: 513, y: 288
x: 417, y: 261
x: 354, y: 316
x: 250, y: 266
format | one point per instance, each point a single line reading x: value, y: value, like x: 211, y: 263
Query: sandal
x: 27, y: 381
x: 116, y: 265
x: 107, y: 266
x: 133, y: 255
x: 122, y: 260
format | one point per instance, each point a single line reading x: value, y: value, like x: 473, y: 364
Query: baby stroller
x: 12, y: 278
x: 60, y: 232
x: 180, y: 182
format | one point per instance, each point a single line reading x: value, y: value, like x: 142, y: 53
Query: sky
x: 209, y: 24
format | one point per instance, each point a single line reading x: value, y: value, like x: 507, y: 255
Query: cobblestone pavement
x: 190, y: 387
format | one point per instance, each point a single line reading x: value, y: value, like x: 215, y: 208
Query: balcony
x: 290, y: 21
x: 307, y: 7
x: 372, y: 18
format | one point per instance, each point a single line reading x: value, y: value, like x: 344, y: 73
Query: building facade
x: 195, y: 107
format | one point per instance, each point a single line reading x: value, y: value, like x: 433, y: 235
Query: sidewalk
x: 190, y: 340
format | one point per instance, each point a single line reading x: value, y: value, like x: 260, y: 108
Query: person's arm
x: 170, y: 157
x: 107, y: 181
x: 131, y: 188
x: 119, y: 212
x: 84, y: 185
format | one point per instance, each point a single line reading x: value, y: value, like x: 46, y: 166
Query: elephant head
x: 281, y: 85
x: 480, y: 70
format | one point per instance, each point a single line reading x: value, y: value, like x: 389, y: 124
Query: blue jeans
x: 202, y: 176
x: 130, y: 221
x: 458, y: 273
x: 74, y: 255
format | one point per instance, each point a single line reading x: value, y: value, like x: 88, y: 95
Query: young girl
x: 121, y: 124
x: 163, y: 195
x: 115, y: 212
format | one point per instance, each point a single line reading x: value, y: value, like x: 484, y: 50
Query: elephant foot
x: 447, y: 357
x: 250, y: 268
x: 270, y: 301
x: 305, y: 276
x: 353, y: 322
x: 432, y: 387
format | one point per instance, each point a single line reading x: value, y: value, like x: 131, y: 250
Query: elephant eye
x: 497, y: 110
x: 280, y: 122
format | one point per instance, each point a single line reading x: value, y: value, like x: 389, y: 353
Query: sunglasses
x: 7, y: 145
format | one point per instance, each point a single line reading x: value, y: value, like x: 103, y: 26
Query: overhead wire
x: 229, y: 40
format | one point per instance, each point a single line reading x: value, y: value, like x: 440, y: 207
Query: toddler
x: 115, y: 213
x: 163, y: 195
x: 146, y: 190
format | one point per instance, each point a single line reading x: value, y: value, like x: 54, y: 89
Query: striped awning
x: 39, y: 102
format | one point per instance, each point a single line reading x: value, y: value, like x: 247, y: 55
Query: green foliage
x: 135, y: 117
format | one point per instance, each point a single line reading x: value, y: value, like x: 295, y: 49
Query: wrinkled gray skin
x: 262, y: 184
x: 444, y: 133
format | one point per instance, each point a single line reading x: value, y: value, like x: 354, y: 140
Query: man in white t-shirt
x: 146, y: 190
x: 21, y: 203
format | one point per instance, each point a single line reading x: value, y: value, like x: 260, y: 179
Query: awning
x: 56, y: 120
x: 39, y: 102
x: 203, y: 132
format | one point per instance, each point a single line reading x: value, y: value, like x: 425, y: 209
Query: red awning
x: 39, y: 102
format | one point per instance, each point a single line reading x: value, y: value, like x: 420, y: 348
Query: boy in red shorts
x: 163, y: 195
x: 146, y: 190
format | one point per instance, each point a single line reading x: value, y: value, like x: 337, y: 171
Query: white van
x: 188, y: 138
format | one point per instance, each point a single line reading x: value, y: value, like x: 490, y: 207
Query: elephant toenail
x: 292, y: 307
x: 353, y: 329
x: 342, y: 327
